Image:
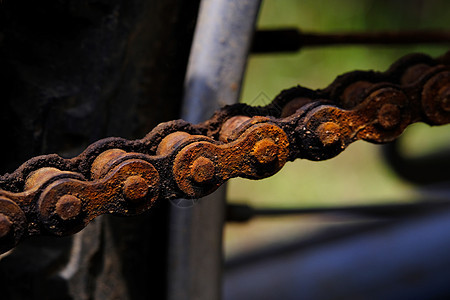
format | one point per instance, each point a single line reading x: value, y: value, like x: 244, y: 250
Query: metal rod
x: 291, y: 40
x: 215, y: 71
x: 243, y: 212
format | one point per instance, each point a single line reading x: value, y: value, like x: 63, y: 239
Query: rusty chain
x: 50, y: 195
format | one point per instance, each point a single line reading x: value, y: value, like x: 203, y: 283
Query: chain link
x: 52, y: 195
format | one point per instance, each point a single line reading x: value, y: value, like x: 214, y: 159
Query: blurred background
x: 358, y: 176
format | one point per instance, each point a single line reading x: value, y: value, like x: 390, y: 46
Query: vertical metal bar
x: 215, y: 71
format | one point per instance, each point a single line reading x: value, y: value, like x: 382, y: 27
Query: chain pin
x: 389, y: 116
x: 265, y: 151
x: 329, y: 133
x: 135, y: 188
x: 202, y: 170
x: 68, y: 207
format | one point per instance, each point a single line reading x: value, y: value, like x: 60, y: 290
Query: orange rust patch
x: 265, y: 151
x: 135, y: 188
x: 329, y: 133
x: 202, y: 169
x: 68, y: 207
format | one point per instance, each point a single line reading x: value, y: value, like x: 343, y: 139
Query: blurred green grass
x: 358, y: 175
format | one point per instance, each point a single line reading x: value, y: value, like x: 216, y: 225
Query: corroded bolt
x: 389, y: 116
x: 135, y: 188
x: 202, y: 169
x: 329, y: 133
x: 68, y: 207
x: 265, y: 151
x: 444, y: 97
x: 5, y: 225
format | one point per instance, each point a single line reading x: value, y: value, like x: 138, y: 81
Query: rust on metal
x: 40, y: 176
x: 229, y: 160
x: 329, y: 133
x: 230, y: 126
x: 5, y: 225
x: 68, y: 207
x: 52, y: 195
x: 135, y: 188
x: 389, y: 116
x: 435, y: 98
x: 265, y: 151
x: 353, y: 94
x: 12, y: 224
x: 292, y: 106
x: 202, y: 170
x: 105, y: 161
x: 414, y: 73
x: 171, y: 142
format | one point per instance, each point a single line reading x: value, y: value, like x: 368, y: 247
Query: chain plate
x: 52, y: 195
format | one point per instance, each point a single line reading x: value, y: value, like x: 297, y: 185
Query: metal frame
x: 215, y: 71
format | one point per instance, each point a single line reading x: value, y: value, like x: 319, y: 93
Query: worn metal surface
x: 216, y: 67
x: 370, y: 106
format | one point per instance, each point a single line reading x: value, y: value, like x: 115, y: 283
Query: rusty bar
x: 291, y: 40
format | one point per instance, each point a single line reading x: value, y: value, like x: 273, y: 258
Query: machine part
x: 370, y: 106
